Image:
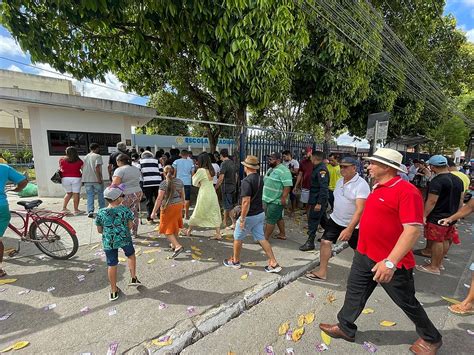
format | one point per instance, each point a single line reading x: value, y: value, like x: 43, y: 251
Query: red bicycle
x: 46, y: 229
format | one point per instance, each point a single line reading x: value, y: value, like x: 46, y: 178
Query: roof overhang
x: 11, y: 97
x: 410, y: 141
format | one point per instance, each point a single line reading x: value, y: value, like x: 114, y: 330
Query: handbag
x: 57, y: 177
x: 237, y: 210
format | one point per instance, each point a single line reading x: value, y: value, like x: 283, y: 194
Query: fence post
x: 243, y: 151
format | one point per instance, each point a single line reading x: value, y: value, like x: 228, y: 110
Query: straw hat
x: 389, y: 157
x: 251, y: 162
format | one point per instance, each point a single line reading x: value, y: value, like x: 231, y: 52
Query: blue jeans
x: 93, y: 188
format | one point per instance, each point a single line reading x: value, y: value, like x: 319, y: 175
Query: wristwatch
x: 389, y: 264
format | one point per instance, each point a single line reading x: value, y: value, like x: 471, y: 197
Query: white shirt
x: 412, y: 172
x: 294, y: 164
x: 217, y: 170
x: 345, y: 196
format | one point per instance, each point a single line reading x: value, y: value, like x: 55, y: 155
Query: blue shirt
x: 7, y: 173
x: 184, y: 169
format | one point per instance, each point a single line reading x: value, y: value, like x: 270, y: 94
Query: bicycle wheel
x: 53, y: 238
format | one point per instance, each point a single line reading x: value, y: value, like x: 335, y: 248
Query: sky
x: 11, y: 55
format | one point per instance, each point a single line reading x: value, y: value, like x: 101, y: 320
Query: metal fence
x: 261, y: 142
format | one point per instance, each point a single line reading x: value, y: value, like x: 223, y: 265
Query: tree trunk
x: 240, y: 137
x: 213, y: 136
x: 327, y: 135
x: 470, y: 147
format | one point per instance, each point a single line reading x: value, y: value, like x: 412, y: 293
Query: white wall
x: 44, y: 119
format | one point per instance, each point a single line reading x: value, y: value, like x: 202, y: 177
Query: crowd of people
x: 380, y: 223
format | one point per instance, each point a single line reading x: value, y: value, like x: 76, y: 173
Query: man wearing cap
x: 350, y: 194
x: 121, y: 149
x: 252, y: 217
x: 277, y: 184
x: 304, y: 176
x: 318, y: 198
x: 389, y: 227
x: 445, y: 197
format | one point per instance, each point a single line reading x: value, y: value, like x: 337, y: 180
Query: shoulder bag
x: 237, y: 210
x: 57, y: 177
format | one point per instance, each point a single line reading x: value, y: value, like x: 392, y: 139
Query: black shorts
x: 187, y: 192
x: 332, y: 230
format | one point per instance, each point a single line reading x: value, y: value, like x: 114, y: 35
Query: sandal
x: 216, y: 237
x: 2, y: 273
x: 457, y: 309
x: 177, y: 252
x: 423, y: 268
x: 313, y: 277
x: 428, y: 261
x: 279, y: 236
x: 419, y: 252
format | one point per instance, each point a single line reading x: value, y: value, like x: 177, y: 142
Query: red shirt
x: 70, y: 169
x: 306, y: 167
x: 388, y: 208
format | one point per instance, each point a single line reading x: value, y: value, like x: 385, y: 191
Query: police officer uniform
x: 318, y: 195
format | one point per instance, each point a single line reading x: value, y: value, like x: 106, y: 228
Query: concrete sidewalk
x: 257, y: 328
x: 170, y: 288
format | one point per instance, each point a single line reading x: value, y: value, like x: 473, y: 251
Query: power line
x: 71, y: 77
x: 395, y: 59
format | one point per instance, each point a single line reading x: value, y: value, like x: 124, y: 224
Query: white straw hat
x: 389, y: 157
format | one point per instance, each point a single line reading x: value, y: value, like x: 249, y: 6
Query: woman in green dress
x: 207, y: 212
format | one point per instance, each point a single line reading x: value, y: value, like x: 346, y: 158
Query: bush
x: 24, y: 156
x: 8, y: 156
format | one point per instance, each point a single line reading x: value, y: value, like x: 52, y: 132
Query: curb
x: 189, y: 331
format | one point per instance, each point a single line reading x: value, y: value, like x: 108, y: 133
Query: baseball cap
x: 274, y: 155
x: 438, y: 160
x: 113, y: 192
x: 347, y: 161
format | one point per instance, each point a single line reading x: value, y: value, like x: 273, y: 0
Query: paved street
x: 137, y: 318
x: 254, y: 330
x: 178, y: 284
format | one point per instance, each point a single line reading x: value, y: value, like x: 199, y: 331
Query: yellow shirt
x: 465, y: 180
x: 334, y: 175
x: 2, y: 161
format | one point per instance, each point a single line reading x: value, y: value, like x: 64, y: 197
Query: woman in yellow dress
x: 207, y: 212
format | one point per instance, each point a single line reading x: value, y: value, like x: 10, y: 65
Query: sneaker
x: 134, y: 282
x: 114, y: 295
x: 231, y: 263
x: 307, y: 247
x: 90, y: 215
x: 273, y: 269
x: 177, y: 252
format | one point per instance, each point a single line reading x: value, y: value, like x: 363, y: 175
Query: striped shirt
x: 152, y: 172
x: 274, y: 182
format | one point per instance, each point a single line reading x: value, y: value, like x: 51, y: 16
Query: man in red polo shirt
x: 389, y: 227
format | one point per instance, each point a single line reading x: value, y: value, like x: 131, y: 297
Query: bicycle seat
x: 29, y: 205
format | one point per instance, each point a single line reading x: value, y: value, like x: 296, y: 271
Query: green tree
x: 244, y: 50
x: 170, y: 103
x: 448, y: 136
x: 444, y: 54
x: 333, y: 75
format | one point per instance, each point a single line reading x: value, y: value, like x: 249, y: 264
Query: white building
x: 14, y: 123
x: 58, y: 120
